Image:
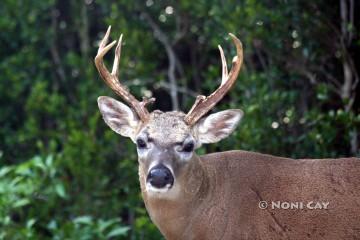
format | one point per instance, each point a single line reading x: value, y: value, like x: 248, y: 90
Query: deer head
x: 166, y: 140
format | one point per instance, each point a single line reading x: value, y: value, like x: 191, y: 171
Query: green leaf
x: 21, y: 202
x: 52, y: 225
x: 120, y: 231
x: 86, y: 220
x: 60, y: 190
x: 49, y: 160
x: 30, y: 223
x: 103, y: 225
x: 5, y: 170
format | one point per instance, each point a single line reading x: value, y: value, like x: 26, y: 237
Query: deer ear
x: 119, y: 117
x: 218, y: 126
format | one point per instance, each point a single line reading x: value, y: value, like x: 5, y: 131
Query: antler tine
x: 204, y: 104
x: 115, y: 69
x: 111, y: 79
x: 225, y: 72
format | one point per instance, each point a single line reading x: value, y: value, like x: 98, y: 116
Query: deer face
x: 166, y: 143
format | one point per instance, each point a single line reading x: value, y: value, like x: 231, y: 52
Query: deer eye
x: 189, y: 147
x: 140, y: 143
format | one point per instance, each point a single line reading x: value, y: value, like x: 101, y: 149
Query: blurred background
x: 65, y: 175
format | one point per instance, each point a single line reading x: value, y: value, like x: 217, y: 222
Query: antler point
x: 203, y: 104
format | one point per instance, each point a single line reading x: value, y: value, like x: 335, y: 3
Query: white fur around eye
x: 142, y: 152
x: 185, y: 156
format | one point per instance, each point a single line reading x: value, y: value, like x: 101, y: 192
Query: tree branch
x: 53, y: 47
x: 163, y: 39
x: 84, y: 32
x: 183, y: 90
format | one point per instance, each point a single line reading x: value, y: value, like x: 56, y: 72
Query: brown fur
x: 217, y: 196
x: 221, y: 193
x: 167, y: 127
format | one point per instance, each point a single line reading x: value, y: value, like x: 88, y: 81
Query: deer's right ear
x: 119, y: 117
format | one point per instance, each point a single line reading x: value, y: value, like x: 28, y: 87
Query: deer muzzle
x: 160, y: 177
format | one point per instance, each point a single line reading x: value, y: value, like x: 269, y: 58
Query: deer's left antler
x: 204, y: 104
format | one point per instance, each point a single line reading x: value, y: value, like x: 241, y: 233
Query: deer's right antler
x: 111, y: 79
x: 204, y: 104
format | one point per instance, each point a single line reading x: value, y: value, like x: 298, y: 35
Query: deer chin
x: 167, y: 192
x: 151, y: 188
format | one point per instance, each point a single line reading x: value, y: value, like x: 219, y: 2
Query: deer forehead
x: 167, y: 127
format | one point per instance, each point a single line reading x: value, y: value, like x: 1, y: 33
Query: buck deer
x: 227, y: 195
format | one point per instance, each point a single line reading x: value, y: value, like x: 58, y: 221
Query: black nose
x: 160, y: 176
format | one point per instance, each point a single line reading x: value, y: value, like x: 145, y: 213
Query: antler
x: 204, y: 104
x: 111, y: 79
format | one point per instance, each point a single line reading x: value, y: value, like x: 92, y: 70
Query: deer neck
x: 174, y: 214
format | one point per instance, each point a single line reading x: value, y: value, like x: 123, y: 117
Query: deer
x: 233, y: 194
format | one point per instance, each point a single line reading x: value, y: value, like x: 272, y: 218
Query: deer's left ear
x: 217, y: 126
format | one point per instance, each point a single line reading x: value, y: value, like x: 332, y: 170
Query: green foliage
x: 35, y: 188
x: 83, y: 182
